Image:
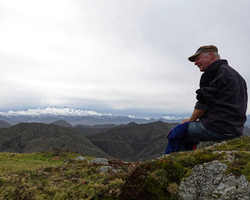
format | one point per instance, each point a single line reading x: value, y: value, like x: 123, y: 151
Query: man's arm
x: 195, y: 115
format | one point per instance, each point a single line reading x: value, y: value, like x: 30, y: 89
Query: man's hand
x: 185, y: 120
x: 195, y: 116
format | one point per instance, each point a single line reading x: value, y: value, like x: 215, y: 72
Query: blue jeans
x: 197, y: 132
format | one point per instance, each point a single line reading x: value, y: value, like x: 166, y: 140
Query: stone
x: 243, y: 191
x: 208, y: 182
x: 228, y: 193
x: 80, y: 158
x: 105, y: 169
x: 100, y: 161
x: 202, y: 181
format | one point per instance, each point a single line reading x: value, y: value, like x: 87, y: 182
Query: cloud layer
x: 114, y: 55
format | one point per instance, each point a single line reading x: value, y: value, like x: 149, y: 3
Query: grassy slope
x: 44, y: 176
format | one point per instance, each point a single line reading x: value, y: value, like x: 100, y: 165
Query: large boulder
x: 209, y: 182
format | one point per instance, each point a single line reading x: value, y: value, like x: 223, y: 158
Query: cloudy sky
x: 118, y: 56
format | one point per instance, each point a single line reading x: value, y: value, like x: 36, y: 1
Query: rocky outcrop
x: 209, y: 182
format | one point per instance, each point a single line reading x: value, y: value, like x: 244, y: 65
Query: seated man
x: 220, y: 110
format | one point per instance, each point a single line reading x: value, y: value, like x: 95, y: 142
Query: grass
x: 13, y: 162
x: 56, y: 175
x: 48, y: 175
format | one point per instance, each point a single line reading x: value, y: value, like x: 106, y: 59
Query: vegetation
x: 56, y: 175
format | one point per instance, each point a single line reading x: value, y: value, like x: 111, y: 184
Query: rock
x: 208, y: 182
x: 226, y: 189
x: 243, y: 190
x: 100, y: 161
x: 80, y: 158
x: 105, y: 169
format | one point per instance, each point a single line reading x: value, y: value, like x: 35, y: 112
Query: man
x: 220, y: 110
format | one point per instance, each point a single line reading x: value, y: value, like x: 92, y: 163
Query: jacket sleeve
x: 205, y: 97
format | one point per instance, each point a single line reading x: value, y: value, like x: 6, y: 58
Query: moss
x: 240, y: 165
x: 202, y: 157
x: 151, y: 180
x: 239, y: 144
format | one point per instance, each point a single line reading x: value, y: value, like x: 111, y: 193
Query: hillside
x: 96, y: 129
x: 217, y: 172
x: 4, y: 124
x: 129, y: 142
x: 62, y: 123
x: 35, y: 137
x: 133, y: 141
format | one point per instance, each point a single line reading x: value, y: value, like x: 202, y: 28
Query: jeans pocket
x: 202, y: 126
x: 199, y: 127
x: 204, y: 133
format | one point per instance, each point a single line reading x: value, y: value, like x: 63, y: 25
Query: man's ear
x: 211, y: 54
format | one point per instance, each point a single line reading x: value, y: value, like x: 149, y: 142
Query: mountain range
x: 74, y: 117
x: 126, y: 142
x: 94, y: 134
x: 78, y: 116
x: 129, y: 142
x: 36, y: 137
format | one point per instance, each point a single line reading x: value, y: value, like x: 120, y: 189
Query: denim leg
x: 197, y: 132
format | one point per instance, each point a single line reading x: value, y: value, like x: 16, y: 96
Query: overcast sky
x: 118, y: 56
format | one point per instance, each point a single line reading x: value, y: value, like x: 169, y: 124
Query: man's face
x: 203, y: 61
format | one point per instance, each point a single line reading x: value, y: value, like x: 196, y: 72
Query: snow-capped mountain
x: 73, y: 116
x: 55, y: 111
x: 78, y: 116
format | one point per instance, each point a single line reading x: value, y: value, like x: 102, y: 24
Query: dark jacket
x: 177, y: 132
x: 223, y: 93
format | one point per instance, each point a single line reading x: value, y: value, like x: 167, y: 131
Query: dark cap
x: 208, y: 48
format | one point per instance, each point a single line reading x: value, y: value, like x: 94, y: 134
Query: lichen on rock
x: 209, y: 182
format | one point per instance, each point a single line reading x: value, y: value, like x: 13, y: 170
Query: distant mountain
x: 246, y: 131
x: 4, y: 124
x: 35, y: 137
x: 96, y: 129
x: 74, y: 117
x: 62, y: 123
x: 133, y: 141
x: 248, y: 121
